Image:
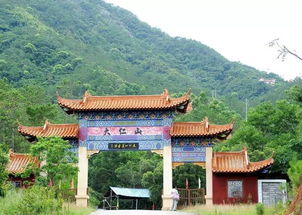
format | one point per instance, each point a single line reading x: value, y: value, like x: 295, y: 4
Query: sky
x: 240, y: 30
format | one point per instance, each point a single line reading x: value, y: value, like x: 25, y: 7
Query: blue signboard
x: 188, y: 154
x: 190, y: 149
x: 129, y: 130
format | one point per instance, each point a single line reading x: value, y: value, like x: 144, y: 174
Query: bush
x: 9, y: 202
x: 260, y: 209
x: 40, y: 200
x: 279, y: 208
x: 35, y: 200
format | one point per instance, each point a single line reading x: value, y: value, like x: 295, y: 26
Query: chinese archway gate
x: 144, y: 122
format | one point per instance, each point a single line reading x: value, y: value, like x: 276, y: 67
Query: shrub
x: 279, y: 208
x: 9, y: 202
x: 40, y: 200
x: 260, y: 209
x: 35, y: 200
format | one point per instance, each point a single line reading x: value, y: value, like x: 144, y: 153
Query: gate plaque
x: 129, y: 130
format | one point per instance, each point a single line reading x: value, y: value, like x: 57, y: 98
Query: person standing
x: 175, y: 198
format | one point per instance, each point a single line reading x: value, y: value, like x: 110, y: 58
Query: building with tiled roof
x: 235, y: 177
x: 237, y: 162
x: 17, y: 165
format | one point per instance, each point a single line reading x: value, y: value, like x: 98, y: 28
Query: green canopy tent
x: 124, y: 193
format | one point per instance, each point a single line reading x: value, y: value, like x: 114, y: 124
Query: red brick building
x: 235, y: 178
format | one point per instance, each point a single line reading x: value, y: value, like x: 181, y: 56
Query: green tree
x: 270, y: 128
x: 38, y: 113
x: 215, y: 109
x: 3, y: 173
x: 59, y: 161
x: 295, y: 173
x: 189, y: 172
x: 153, y: 180
x: 295, y: 94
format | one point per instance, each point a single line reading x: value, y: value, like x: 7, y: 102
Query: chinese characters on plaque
x: 125, y: 146
x: 125, y: 137
x: 118, y: 131
x: 123, y: 131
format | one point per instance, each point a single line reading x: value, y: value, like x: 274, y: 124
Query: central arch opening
x: 140, y: 169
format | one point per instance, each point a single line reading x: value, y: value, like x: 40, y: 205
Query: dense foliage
x: 215, y: 109
x: 3, y: 173
x: 32, y: 201
x: 58, y: 161
x: 295, y: 173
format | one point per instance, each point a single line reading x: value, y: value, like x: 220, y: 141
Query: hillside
x: 68, y: 46
x: 72, y: 45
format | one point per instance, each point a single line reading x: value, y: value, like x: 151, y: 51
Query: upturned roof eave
x: 166, y: 103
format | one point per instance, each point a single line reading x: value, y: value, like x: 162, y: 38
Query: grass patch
x: 227, y: 210
x: 74, y: 210
x: 38, y: 201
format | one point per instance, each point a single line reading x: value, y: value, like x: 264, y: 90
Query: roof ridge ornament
x: 206, y: 123
x: 189, y: 92
x: 45, y: 125
x: 165, y: 92
x: 86, y: 95
x: 166, y: 95
x: 246, y: 157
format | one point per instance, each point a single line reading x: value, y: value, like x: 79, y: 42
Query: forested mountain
x: 72, y: 45
x: 69, y: 46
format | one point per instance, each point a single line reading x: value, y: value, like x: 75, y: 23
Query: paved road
x: 138, y: 212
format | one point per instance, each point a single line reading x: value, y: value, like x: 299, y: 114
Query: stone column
x: 82, y: 197
x: 167, y: 177
x: 209, y: 176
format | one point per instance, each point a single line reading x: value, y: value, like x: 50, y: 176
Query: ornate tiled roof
x: 135, y: 102
x: 203, y: 128
x: 18, y: 162
x: 51, y: 130
x: 237, y: 162
x: 179, y: 129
